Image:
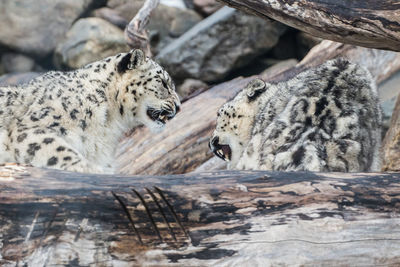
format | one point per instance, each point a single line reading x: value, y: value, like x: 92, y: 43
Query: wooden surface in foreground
x: 368, y: 23
x: 50, y: 218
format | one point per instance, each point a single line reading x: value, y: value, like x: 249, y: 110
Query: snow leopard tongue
x: 227, y: 151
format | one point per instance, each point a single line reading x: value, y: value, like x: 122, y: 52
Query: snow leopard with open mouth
x: 324, y: 119
x: 73, y: 120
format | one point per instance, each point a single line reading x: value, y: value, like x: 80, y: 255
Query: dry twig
x: 135, y: 33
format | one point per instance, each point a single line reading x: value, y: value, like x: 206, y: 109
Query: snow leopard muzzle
x: 222, y: 151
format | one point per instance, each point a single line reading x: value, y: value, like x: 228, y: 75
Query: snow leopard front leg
x: 43, y: 147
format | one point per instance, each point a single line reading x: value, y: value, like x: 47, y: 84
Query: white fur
x: 93, y: 128
x: 324, y: 119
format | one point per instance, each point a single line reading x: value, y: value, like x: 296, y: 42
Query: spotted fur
x: 73, y: 120
x: 324, y: 119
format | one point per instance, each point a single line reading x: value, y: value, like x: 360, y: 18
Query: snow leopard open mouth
x: 223, y: 151
x: 160, y: 115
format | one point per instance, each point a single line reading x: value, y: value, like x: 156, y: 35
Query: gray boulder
x: 207, y: 7
x: 13, y: 62
x: 305, y: 42
x: 1, y: 69
x: 174, y: 3
x: 224, y: 41
x: 89, y: 40
x: 35, y: 27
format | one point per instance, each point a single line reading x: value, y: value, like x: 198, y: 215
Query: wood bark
x: 183, y: 145
x: 135, y: 32
x: 369, y: 23
x: 53, y: 218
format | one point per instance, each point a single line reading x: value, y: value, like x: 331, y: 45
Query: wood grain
x: 50, y: 217
x: 370, y: 23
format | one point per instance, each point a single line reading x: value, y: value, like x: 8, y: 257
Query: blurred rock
x: 391, y: 143
x: 189, y: 4
x: 174, y: 3
x: 89, y: 40
x: 1, y: 69
x: 111, y: 16
x: 387, y: 111
x: 305, y: 42
x: 390, y: 102
x: 165, y: 24
x: 17, y: 78
x: 35, y: 27
x: 17, y: 63
x: 388, y: 93
x: 286, y: 47
x: 207, y: 7
x: 280, y: 66
x: 189, y: 87
x: 224, y: 41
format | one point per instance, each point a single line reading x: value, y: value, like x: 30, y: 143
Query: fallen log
x: 183, y: 145
x: 374, y: 24
x: 50, y: 218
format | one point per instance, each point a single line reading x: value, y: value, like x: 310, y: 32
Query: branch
x: 374, y: 24
x: 135, y: 33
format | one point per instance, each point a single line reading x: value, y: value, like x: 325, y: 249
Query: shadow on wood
x: 50, y: 217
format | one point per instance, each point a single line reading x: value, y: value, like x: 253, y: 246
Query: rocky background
x: 200, y: 42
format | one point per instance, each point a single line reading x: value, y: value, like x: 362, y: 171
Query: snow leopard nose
x: 177, y: 108
x: 214, y: 142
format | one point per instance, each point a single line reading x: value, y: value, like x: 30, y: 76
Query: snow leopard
x: 325, y: 119
x: 73, y: 120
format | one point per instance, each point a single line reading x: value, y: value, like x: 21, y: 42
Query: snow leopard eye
x: 255, y: 88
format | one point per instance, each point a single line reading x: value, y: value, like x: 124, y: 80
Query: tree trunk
x: 50, y: 218
x: 183, y: 145
x: 369, y: 23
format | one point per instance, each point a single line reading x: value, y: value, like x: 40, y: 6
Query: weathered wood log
x: 369, y: 23
x: 183, y: 145
x: 53, y: 218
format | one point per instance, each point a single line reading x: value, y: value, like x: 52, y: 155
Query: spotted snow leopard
x: 327, y: 118
x: 73, y: 120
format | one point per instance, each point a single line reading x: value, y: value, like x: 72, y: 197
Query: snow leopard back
x: 325, y: 119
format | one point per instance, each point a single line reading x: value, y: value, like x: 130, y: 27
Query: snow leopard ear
x: 131, y: 61
x: 136, y: 59
x: 255, y: 88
